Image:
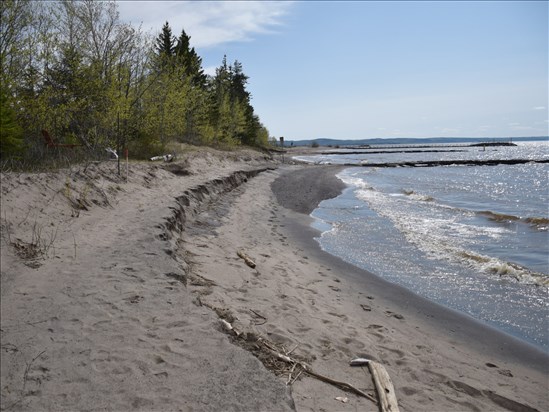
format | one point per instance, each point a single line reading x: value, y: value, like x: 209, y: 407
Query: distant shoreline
x: 411, y: 141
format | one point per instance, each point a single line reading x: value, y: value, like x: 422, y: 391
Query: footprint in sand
x: 397, y: 352
x: 504, y: 372
x: 394, y: 315
x: 134, y: 299
x: 338, y: 315
x: 408, y: 391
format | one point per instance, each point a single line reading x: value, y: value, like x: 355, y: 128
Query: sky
x: 367, y: 69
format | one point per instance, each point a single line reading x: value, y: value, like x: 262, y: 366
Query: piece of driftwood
x: 360, y: 362
x: 229, y: 327
x: 167, y: 157
x: 384, y: 386
x: 307, y: 369
x: 246, y: 258
x: 304, y: 368
x: 342, y: 385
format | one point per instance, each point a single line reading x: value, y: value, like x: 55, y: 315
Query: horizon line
x: 419, y: 138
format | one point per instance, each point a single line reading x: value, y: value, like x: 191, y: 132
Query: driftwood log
x: 307, y: 369
x: 304, y: 367
x: 246, y: 258
x: 384, y: 386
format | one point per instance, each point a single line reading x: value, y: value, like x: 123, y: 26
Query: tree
x: 187, y: 57
x: 11, y: 133
x: 74, y: 68
x: 15, y: 18
x: 164, y: 47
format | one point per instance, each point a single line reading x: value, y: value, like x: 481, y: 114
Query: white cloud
x: 210, y: 70
x: 539, y: 108
x: 209, y: 23
x: 513, y: 124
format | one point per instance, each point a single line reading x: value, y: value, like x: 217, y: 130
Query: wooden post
x: 127, y: 162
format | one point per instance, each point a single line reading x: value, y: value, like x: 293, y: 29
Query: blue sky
x: 365, y: 69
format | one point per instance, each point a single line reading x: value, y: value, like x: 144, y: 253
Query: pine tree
x: 165, y: 46
x: 190, y: 60
x: 238, y: 83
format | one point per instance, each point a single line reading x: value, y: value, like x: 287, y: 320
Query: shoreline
x: 123, y: 308
x: 326, y: 312
x: 479, y: 335
x: 486, y: 337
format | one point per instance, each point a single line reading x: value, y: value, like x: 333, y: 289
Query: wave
x: 498, y: 217
x: 356, y: 182
x: 437, y: 236
x: 539, y: 223
x: 417, y: 196
x: 503, y: 269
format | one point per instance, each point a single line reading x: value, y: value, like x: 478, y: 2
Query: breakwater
x: 432, y: 163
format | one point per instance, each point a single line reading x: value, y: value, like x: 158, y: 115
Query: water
x: 474, y: 238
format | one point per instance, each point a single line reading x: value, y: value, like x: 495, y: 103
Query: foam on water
x: 441, y: 235
x: 472, y: 238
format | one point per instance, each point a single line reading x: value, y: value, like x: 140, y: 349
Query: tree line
x: 75, y: 69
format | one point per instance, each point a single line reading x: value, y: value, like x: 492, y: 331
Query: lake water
x: 474, y: 238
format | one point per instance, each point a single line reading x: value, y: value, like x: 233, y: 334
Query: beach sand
x: 113, y: 294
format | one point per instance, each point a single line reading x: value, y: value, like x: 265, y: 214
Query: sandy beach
x: 116, y: 295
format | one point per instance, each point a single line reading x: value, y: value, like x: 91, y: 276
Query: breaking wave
x: 418, y: 196
x: 504, y: 270
x: 436, y: 230
x: 538, y: 223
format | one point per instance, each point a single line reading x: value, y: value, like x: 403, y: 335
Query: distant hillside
x: 412, y: 141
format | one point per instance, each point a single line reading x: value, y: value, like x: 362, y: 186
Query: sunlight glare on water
x: 472, y: 238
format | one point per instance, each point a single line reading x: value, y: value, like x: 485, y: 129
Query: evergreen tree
x: 238, y: 83
x: 190, y: 60
x: 165, y: 46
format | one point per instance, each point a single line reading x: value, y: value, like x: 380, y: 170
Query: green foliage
x: 165, y: 42
x: 11, y: 133
x: 75, y: 69
x: 231, y: 113
x: 145, y: 146
x: 187, y: 58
